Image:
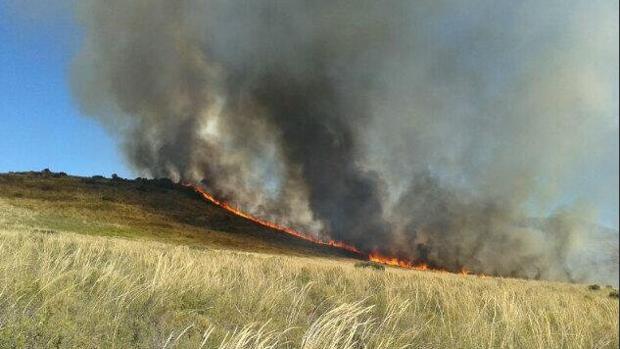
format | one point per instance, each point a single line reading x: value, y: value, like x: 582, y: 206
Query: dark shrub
x: 45, y: 173
x: 369, y: 264
x: 45, y: 231
x: 594, y: 287
x: 164, y: 183
x: 96, y: 179
x: 613, y: 294
x: 115, y: 177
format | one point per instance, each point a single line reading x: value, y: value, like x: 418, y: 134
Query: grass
x: 67, y: 290
x: 126, y: 284
x: 140, y: 209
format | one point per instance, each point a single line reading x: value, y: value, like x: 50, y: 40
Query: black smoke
x: 431, y: 130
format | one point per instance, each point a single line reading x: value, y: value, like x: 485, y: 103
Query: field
x: 98, y: 263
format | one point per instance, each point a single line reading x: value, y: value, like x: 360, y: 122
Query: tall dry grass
x: 73, y: 291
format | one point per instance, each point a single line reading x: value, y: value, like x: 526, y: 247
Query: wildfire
x: 397, y: 262
x: 272, y: 225
x: 407, y: 264
x: 373, y: 256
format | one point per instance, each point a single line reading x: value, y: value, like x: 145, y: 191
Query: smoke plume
x: 437, y: 131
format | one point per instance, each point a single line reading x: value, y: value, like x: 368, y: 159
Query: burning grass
x: 292, y: 232
x: 376, y: 260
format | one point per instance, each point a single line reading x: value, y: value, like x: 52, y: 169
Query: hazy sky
x: 40, y: 125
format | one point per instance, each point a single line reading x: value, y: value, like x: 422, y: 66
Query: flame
x: 398, y: 262
x: 464, y: 271
x: 374, y: 256
x: 333, y: 243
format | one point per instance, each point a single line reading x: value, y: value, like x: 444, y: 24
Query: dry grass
x: 149, y: 275
x: 140, y: 209
x: 66, y: 290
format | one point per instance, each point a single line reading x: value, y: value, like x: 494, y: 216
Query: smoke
x: 436, y: 131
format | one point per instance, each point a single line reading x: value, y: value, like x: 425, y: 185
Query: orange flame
x: 333, y: 243
x: 373, y: 256
x: 397, y: 262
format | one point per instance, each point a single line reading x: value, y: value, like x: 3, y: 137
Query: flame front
x: 397, y: 262
x: 374, y: 256
x: 333, y: 243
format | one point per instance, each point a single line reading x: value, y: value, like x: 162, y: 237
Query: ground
x: 94, y: 262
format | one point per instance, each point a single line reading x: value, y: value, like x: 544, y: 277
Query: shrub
x: 594, y: 287
x: 164, y: 183
x: 44, y: 231
x: 369, y: 264
x: 614, y: 294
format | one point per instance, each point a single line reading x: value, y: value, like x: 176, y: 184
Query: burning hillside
x: 372, y: 256
x: 396, y: 128
x: 268, y: 224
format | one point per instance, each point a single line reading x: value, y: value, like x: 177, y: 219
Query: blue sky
x: 40, y: 125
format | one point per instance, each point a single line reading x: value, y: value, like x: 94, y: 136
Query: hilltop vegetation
x: 97, y: 263
x: 139, y: 209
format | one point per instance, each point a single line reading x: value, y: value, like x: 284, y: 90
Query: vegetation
x: 369, y: 264
x: 126, y: 284
x: 140, y: 209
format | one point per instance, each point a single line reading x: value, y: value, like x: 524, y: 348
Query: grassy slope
x: 141, y: 209
x: 60, y: 289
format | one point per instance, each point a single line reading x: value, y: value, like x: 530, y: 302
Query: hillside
x: 103, y: 263
x: 139, y: 209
